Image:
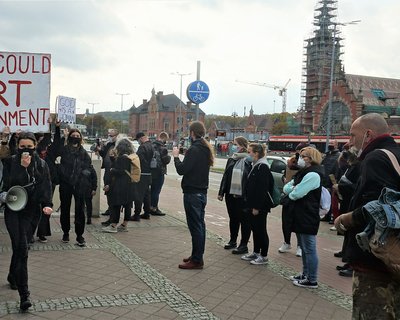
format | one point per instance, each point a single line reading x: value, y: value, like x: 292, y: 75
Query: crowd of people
x: 354, y: 176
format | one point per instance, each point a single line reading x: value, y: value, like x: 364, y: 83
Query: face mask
x: 250, y: 158
x: 362, y: 144
x: 28, y: 150
x: 234, y: 149
x: 301, y: 163
x: 74, y: 140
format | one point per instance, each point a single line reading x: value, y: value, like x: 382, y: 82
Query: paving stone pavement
x: 134, y: 275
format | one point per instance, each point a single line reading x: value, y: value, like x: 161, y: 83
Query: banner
x: 25, y: 91
x: 66, y: 109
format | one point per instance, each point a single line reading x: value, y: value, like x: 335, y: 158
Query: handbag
x: 275, y: 197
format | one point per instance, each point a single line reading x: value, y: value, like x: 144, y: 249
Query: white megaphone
x: 16, y: 198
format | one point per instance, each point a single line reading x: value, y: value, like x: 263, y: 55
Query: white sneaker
x: 249, y: 256
x: 122, y: 228
x: 110, y: 229
x: 259, y: 260
x: 333, y: 228
x: 298, y: 252
x: 285, y: 248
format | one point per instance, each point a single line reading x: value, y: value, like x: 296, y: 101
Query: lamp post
x: 234, y: 115
x: 180, y: 103
x: 93, y: 104
x: 328, y: 125
x: 122, y: 105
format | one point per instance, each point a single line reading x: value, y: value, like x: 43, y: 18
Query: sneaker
x: 89, y: 221
x: 333, y: 228
x: 110, y: 229
x: 145, y: 216
x: 135, y: 217
x: 285, y: 247
x: 80, y: 242
x: 259, y: 260
x: 306, y: 284
x: 299, y: 277
x: 249, y: 256
x: 106, y: 223
x: 230, y: 245
x: 65, y: 238
x: 122, y: 228
x: 298, y: 252
x: 157, y: 212
x: 42, y: 239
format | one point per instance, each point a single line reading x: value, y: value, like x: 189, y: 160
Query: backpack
x: 325, y: 202
x: 155, y: 162
x: 135, y: 171
x: 275, y: 197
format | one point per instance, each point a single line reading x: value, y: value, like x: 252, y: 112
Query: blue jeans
x: 195, y: 204
x: 308, y: 244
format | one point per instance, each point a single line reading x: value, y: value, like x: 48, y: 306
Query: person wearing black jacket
x: 195, y: 169
x: 260, y: 182
x: 145, y: 153
x: 238, y: 168
x: 25, y: 169
x: 158, y: 173
x: 74, y: 161
x: 376, y: 294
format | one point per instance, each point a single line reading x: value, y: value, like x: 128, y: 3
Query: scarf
x: 237, y: 174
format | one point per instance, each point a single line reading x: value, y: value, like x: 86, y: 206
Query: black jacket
x: 40, y: 193
x: 259, y: 182
x: 331, y: 166
x: 376, y: 172
x: 194, y: 168
x: 145, y: 153
x: 105, y: 155
x: 305, y: 210
x: 224, y: 187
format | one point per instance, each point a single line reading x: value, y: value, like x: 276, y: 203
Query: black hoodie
x: 194, y: 168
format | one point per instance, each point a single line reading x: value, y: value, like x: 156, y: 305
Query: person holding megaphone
x: 26, y: 190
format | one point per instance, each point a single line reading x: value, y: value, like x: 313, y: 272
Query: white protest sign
x: 25, y: 91
x: 66, y: 109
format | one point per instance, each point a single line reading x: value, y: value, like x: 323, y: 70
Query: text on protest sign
x: 25, y: 91
x: 66, y: 109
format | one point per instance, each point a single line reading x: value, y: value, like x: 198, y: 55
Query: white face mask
x: 301, y: 163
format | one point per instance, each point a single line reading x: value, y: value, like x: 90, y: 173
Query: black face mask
x: 74, y: 140
x: 28, y: 150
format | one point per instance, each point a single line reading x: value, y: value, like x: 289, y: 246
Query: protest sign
x: 66, y: 109
x: 25, y: 91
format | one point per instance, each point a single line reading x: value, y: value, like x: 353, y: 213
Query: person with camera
x: 27, y: 170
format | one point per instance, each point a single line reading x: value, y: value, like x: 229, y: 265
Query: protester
x: 105, y: 151
x: 158, y: 173
x: 303, y: 198
x: 232, y: 188
x: 74, y: 160
x: 121, y: 191
x: 260, y: 182
x: 145, y: 153
x: 195, y: 169
x: 376, y: 294
x: 25, y: 169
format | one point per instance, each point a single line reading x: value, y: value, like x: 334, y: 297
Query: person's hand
x: 255, y: 212
x: 106, y: 188
x: 220, y: 197
x: 47, y: 211
x: 344, y: 222
x: 93, y: 193
x: 25, y: 160
x: 66, y: 131
x: 58, y: 123
x: 175, y: 152
x: 6, y: 131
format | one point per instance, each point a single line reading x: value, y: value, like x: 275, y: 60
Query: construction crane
x: 282, y: 90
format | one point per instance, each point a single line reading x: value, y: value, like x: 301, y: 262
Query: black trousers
x: 260, y: 235
x: 238, y: 219
x: 89, y: 207
x: 116, y: 212
x: 66, y: 193
x: 19, y: 226
x: 287, y: 223
x: 144, y: 195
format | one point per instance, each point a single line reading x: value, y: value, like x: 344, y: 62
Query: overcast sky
x: 103, y: 47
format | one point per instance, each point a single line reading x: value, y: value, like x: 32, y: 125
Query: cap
x: 139, y: 135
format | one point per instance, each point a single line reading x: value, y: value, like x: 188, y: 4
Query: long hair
x: 199, y: 131
x: 71, y: 131
x: 124, y: 146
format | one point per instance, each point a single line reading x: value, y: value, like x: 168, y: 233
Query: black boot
x: 25, y: 303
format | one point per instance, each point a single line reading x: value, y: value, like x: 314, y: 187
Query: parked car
x: 277, y: 165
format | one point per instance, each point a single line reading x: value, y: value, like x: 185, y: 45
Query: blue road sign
x: 197, y: 91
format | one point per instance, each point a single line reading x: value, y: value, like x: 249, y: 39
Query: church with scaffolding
x: 325, y: 82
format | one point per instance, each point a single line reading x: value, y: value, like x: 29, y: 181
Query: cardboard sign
x: 66, y: 109
x: 25, y: 91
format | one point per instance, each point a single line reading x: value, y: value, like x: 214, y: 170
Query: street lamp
x: 234, y: 115
x: 122, y: 105
x: 93, y: 103
x: 180, y: 103
x: 329, y: 124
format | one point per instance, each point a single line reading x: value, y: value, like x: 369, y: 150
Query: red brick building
x: 163, y: 113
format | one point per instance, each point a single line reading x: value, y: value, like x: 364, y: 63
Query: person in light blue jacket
x: 303, y: 199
